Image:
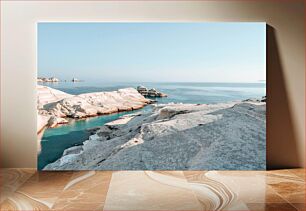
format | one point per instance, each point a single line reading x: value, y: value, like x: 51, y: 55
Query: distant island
x: 55, y: 80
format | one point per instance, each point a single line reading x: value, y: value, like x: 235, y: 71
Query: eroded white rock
x: 178, y: 137
x: 54, y: 106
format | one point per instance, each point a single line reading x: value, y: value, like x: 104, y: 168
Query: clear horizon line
x: 109, y: 81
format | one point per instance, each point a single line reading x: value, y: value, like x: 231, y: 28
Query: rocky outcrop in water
x: 263, y: 99
x: 150, y: 92
x: 52, y: 79
x: 75, y: 80
x: 55, y: 106
x: 176, y: 137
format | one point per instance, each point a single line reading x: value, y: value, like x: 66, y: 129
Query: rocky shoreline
x: 56, y: 107
x: 219, y: 136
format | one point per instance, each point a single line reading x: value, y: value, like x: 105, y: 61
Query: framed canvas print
x: 151, y: 96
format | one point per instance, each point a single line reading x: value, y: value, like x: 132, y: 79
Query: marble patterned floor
x: 28, y: 189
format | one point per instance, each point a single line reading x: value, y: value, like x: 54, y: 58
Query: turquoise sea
x: 56, y: 140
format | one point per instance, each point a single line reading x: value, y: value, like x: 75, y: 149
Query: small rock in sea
x: 264, y: 99
x: 75, y: 80
x: 150, y: 92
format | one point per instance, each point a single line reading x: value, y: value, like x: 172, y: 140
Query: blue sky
x: 153, y: 52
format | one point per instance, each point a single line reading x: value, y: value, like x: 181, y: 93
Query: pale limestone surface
x: 92, y: 104
x: 177, y: 137
x: 47, y: 95
x: 54, y: 106
x: 42, y: 121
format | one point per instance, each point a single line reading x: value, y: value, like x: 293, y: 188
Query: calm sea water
x: 56, y: 140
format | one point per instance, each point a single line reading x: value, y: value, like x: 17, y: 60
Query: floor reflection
x: 27, y: 189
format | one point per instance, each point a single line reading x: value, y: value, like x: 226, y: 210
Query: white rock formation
x: 92, y: 104
x: 42, y: 121
x: 47, y: 95
x: 176, y: 137
x: 58, y: 105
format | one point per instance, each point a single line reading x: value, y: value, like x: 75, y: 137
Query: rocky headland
x: 171, y: 137
x: 56, y: 107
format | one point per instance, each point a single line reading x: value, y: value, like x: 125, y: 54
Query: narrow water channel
x: 56, y: 140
